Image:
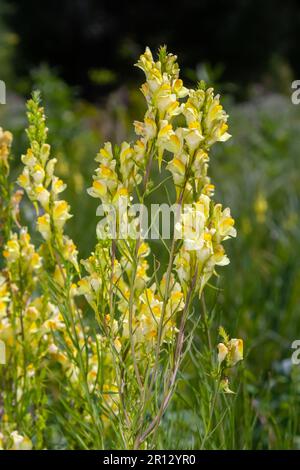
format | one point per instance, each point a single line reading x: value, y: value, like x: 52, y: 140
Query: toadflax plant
x: 98, y: 344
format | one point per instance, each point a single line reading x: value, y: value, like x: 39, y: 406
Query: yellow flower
x: 70, y: 251
x: 179, y: 89
x: 223, y: 223
x: 105, y: 154
x: 167, y: 140
x: 42, y: 195
x: 147, y: 128
x: 58, y: 185
x: 144, y: 250
x: 224, y: 386
x: 193, y: 136
x: 222, y: 352
x: 12, y: 249
x: 98, y: 189
x: 20, y: 442
x: 24, y: 179
x: 38, y: 174
x: 260, y: 207
x: 29, y: 159
x: 5, y: 144
x: 236, y: 349
x: 61, y: 213
x: 43, y: 226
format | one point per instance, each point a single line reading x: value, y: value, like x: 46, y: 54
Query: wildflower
x: 44, y: 226
x: 193, y: 136
x: 20, y: 442
x: 223, y: 223
x: 40, y: 183
x: 222, y: 352
x: 260, y: 207
x: 61, y: 213
x: 12, y: 250
x: 4, y: 296
x: 235, y: 354
x: 5, y: 144
x: 230, y: 349
x: 58, y: 185
x: 224, y: 386
x: 178, y: 166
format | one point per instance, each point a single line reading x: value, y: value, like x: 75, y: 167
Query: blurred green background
x: 80, y: 54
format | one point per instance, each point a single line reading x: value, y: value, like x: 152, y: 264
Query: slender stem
x: 170, y: 388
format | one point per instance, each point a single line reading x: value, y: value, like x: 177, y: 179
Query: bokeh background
x: 80, y: 54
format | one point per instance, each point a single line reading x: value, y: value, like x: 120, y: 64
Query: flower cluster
x: 203, y: 227
x: 43, y: 187
x: 5, y: 202
x: 134, y: 311
x: 230, y: 352
x: 5, y: 144
x: 28, y: 322
x: 119, y: 366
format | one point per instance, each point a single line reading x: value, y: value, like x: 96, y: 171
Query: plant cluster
x: 97, y: 344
